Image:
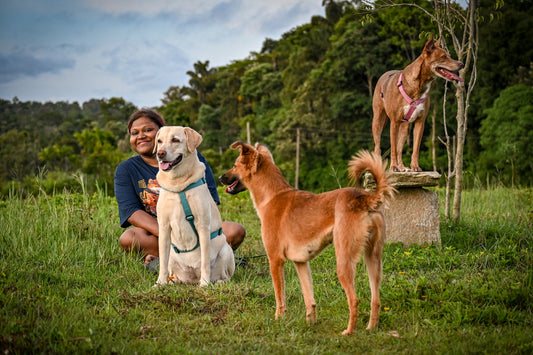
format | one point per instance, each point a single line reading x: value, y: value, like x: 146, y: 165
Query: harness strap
x: 412, y: 103
x: 213, y: 236
x: 190, y: 218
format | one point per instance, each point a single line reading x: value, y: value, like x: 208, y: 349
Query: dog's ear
x: 250, y: 156
x: 431, y: 44
x: 237, y: 145
x: 193, y: 139
x: 263, y: 149
x: 155, y: 140
x: 245, y: 149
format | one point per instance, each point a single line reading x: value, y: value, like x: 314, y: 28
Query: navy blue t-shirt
x: 134, y: 179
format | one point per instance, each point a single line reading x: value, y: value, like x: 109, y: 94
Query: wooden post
x: 297, y: 158
x: 248, y: 139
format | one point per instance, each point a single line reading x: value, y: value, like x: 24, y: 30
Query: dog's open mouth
x: 447, y: 74
x: 168, y: 165
x: 235, y: 187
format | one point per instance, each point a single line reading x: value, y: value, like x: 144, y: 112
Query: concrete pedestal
x: 413, y: 215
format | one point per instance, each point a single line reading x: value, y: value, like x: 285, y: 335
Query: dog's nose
x: 161, y: 153
x: 461, y: 65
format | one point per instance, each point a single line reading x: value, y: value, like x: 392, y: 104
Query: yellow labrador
x: 192, y: 247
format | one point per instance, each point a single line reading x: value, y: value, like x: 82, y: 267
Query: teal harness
x: 189, y: 216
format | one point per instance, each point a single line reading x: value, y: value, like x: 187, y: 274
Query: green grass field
x: 67, y: 288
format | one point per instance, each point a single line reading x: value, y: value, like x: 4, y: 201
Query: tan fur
x: 213, y: 261
x: 389, y: 102
x: 297, y: 225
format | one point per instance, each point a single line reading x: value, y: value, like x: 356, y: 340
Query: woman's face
x: 142, y: 135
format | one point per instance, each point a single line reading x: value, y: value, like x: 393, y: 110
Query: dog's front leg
x: 205, y: 253
x: 418, y: 129
x: 164, y: 253
x: 278, y: 279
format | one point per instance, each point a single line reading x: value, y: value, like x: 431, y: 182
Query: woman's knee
x: 234, y: 232
x: 126, y: 240
x: 131, y: 238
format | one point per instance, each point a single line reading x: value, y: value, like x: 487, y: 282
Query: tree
x: 461, y: 27
x: 18, y: 155
x: 174, y: 106
x: 507, y: 133
x: 58, y: 156
x: 99, y: 154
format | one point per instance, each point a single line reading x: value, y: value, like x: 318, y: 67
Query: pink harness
x: 412, y: 103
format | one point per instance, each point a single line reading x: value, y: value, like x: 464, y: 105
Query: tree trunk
x: 461, y: 132
x: 434, y: 138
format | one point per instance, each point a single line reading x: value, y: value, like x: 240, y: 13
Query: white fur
x: 213, y: 261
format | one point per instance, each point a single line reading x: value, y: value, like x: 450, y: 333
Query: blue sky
x: 60, y: 50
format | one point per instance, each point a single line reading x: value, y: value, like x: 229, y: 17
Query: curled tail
x: 371, y: 162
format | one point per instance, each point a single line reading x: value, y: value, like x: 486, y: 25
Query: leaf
x: 395, y: 334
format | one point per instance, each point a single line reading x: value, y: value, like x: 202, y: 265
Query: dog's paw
x: 204, y: 283
x: 160, y: 283
x: 394, y: 168
x: 311, y: 318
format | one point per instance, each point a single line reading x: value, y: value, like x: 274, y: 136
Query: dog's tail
x: 371, y: 162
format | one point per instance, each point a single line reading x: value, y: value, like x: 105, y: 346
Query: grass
x: 67, y: 288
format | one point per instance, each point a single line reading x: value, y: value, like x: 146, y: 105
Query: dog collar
x: 190, y: 217
x: 191, y: 186
x: 412, y: 103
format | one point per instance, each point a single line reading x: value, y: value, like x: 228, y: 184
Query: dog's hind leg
x: 373, y: 260
x: 378, y: 124
x: 349, y: 240
x: 394, y: 133
x: 278, y: 279
x: 346, y: 274
x: 306, y: 281
x: 224, y: 265
x: 403, y: 132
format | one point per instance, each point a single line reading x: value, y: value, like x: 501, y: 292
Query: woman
x: 136, y: 190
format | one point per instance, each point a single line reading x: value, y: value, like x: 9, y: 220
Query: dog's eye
x: 175, y: 140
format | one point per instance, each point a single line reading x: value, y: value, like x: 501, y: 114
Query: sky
x: 77, y: 50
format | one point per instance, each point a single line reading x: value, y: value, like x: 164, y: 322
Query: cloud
x: 148, y: 63
x: 20, y: 64
x: 231, y: 14
x: 83, y: 49
x: 153, y: 7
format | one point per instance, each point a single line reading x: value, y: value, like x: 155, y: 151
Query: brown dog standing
x: 403, y: 96
x: 297, y: 225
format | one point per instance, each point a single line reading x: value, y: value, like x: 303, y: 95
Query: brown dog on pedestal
x: 403, y: 96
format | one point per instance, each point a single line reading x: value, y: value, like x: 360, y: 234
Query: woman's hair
x: 148, y: 113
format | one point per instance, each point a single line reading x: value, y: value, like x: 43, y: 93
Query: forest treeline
x: 317, y: 79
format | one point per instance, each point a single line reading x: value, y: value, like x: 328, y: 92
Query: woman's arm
x: 145, y: 221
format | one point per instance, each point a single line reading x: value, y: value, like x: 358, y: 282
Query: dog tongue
x: 164, y: 165
x: 452, y: 75
x: 230, y: 187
